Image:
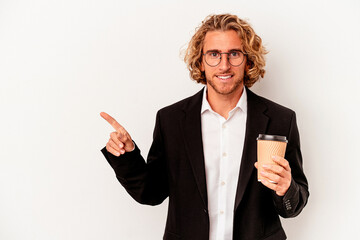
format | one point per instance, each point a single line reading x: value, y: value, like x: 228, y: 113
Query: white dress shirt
x: 223, y: 142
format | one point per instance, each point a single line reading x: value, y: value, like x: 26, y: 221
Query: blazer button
x: 205, y: 211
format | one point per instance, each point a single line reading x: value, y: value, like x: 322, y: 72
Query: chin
x: 227, y: 90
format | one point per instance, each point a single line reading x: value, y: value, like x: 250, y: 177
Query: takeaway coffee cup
x: 268, y: 146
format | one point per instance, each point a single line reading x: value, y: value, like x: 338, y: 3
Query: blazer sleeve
x: 146, y: 182
x: 295, y: 199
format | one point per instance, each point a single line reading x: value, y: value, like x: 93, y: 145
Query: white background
x: 63, y: 62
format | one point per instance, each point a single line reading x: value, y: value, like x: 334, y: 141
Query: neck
x: 223, y: 103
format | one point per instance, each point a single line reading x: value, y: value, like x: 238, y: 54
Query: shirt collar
x: 241, y: 104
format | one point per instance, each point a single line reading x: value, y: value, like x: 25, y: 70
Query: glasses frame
x: 244, y: 54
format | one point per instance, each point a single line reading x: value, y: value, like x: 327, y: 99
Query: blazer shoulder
x: 184, y: 104
x: 273, y: 107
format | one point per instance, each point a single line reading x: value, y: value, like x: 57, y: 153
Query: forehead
x: 222, y: 40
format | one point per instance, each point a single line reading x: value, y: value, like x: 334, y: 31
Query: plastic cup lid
x: 272, y: 138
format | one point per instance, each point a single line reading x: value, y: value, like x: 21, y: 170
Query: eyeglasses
x: 235, y: 57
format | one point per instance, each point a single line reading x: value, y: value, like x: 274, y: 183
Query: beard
x: 226, y: 91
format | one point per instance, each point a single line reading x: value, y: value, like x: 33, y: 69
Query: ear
x: 202, y: 67
x: 247, y: 66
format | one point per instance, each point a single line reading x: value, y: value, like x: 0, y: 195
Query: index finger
x: 111, y: 120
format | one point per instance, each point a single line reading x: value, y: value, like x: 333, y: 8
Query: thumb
x: 128, y: 143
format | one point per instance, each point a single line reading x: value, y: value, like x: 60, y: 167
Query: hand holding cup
x: 276, y: 176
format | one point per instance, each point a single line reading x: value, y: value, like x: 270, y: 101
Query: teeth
x: 224, y: 77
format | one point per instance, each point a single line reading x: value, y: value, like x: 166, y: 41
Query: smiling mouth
x: 224, y: 77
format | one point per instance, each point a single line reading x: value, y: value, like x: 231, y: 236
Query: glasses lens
x: 236, y: 58
x: 212, y: 58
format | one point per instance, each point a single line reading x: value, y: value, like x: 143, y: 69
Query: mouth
x: 224, y: 77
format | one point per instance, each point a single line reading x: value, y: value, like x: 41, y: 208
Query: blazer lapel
x: 191, y: 125
x: 256, y: 123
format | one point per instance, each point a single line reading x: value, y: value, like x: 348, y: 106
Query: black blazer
x: 175, y: 169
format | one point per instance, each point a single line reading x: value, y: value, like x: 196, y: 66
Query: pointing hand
x: 120, y: 140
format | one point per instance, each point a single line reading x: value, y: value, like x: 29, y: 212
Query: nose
x: 224, y: 64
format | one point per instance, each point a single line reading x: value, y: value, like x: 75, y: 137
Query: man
x: 203, y: 155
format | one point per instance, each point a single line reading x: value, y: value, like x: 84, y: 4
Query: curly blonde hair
x: 251, y: 42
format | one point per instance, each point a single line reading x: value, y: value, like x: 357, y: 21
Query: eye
x: 214, y: 54
x: 234, y: 54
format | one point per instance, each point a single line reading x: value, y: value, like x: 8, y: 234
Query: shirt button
x: 221, y: 212
x: 222, y: 183
x: 223, y: 126
x: 224, y: 154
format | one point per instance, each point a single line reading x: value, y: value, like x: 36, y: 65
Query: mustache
x: 223, y: 73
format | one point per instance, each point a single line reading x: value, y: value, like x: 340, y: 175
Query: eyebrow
x: 217, y: 50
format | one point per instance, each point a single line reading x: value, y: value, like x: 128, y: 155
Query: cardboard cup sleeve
x: 268, y: 146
